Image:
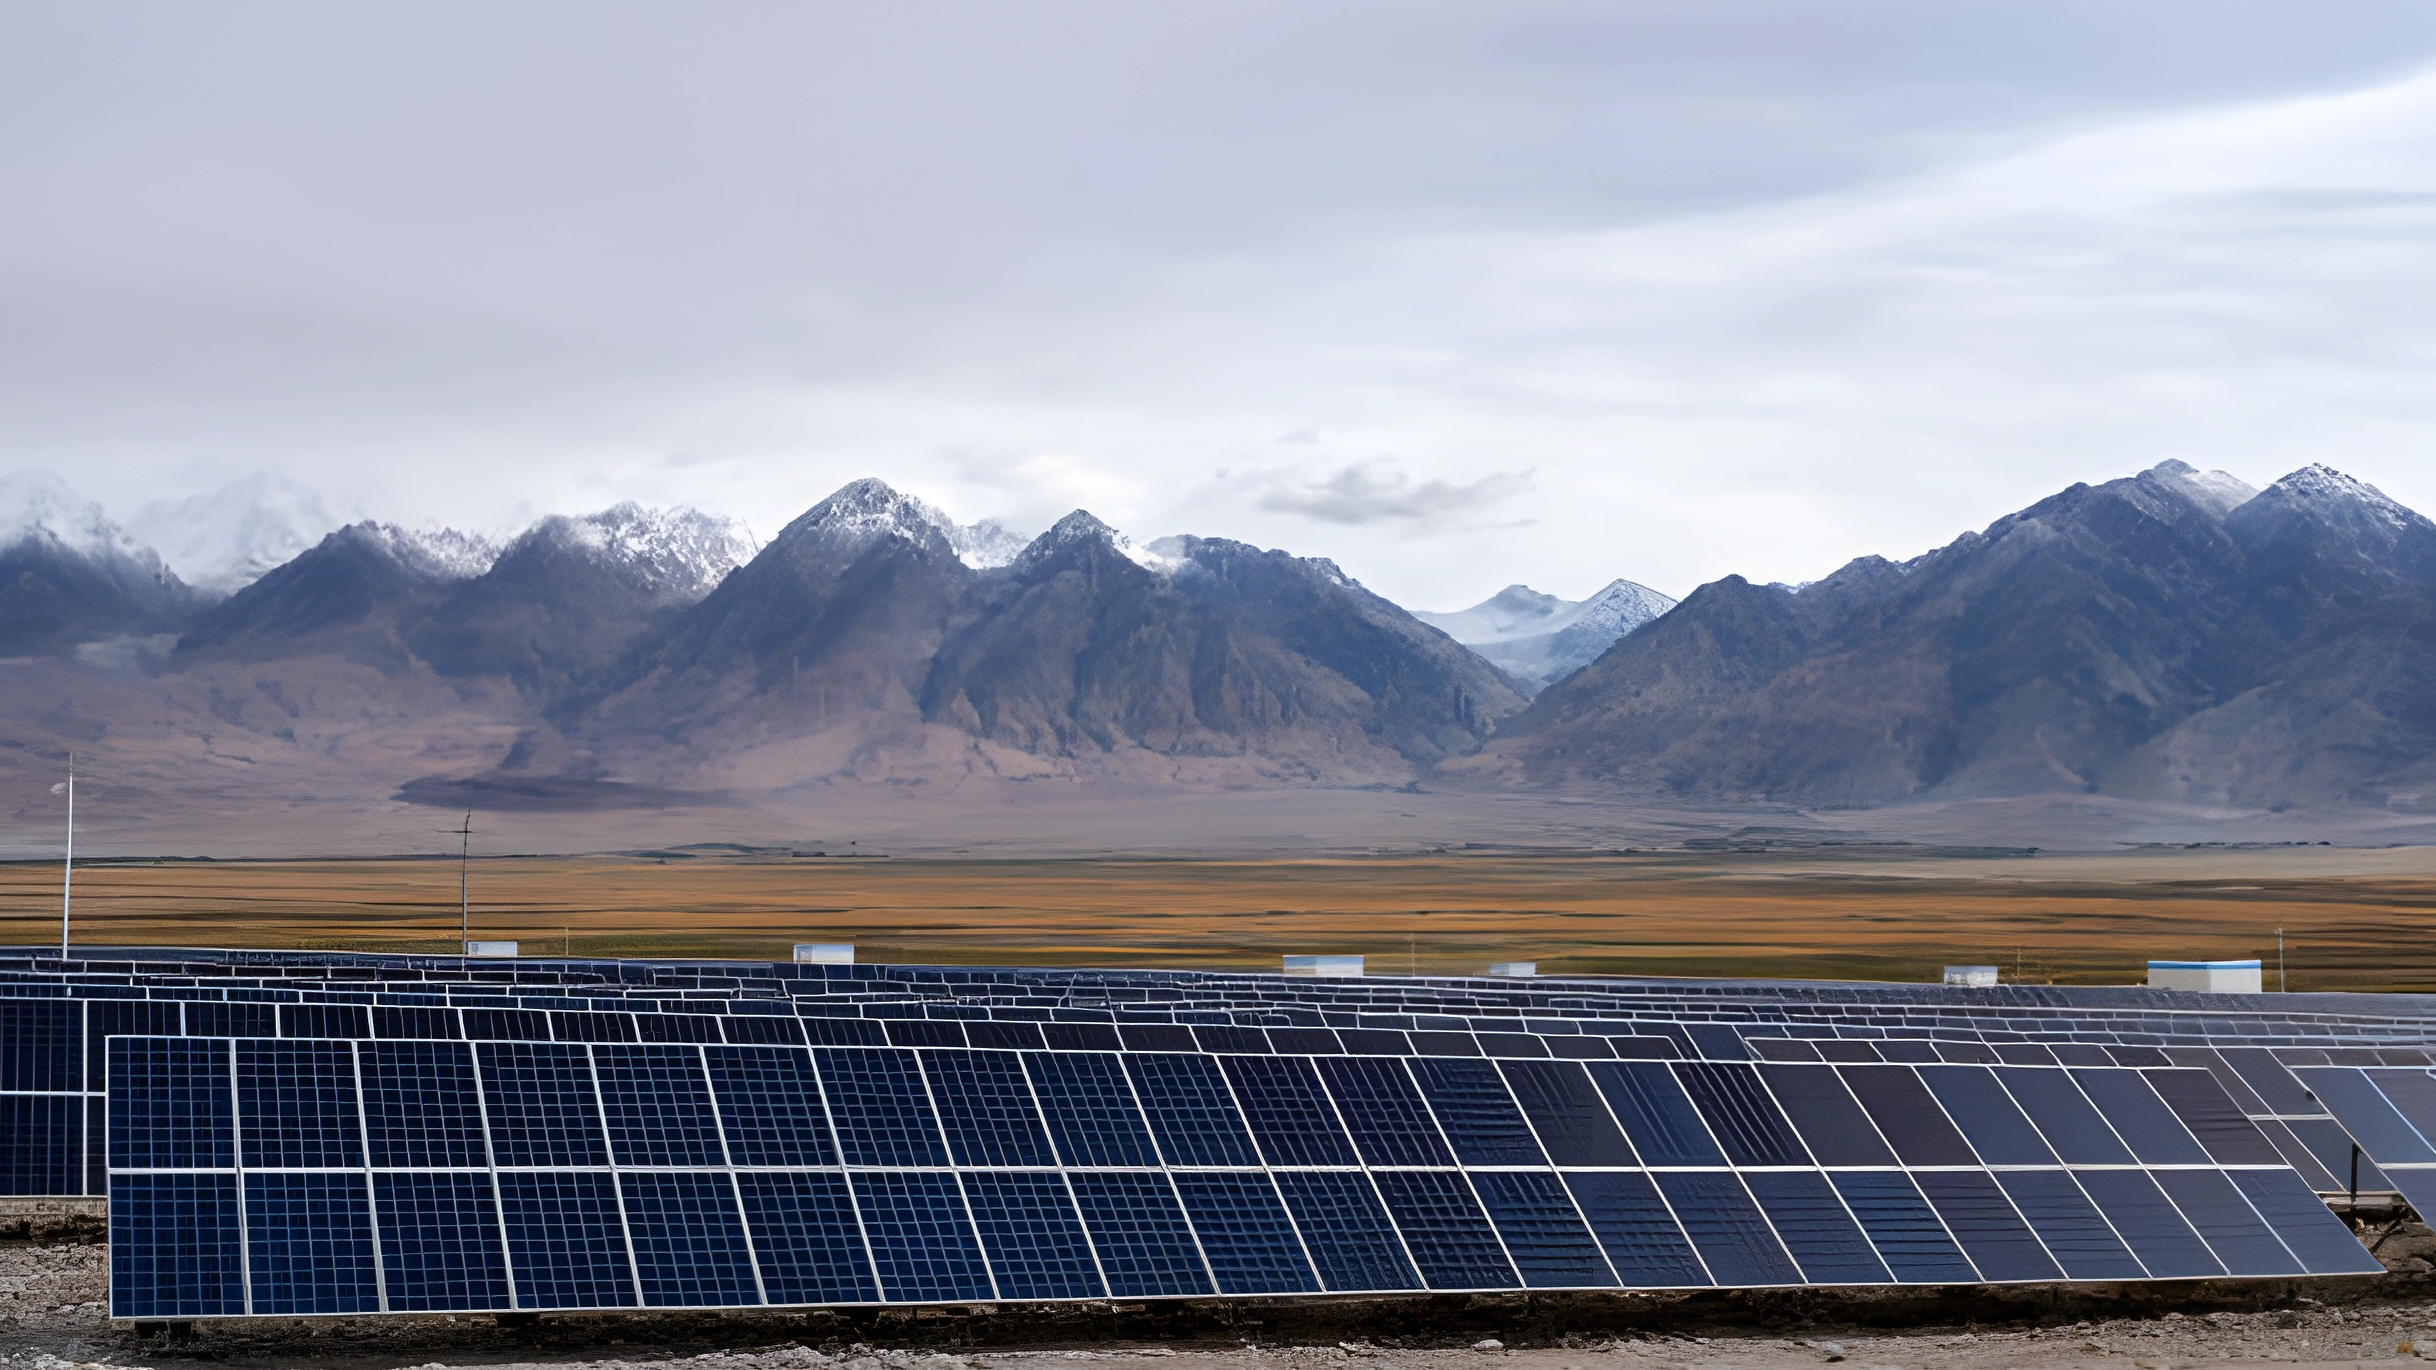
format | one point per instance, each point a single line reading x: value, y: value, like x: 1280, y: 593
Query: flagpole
x: 67, y: 875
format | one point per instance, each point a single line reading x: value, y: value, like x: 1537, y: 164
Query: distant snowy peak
x: 1620, y: 606
x: 2218, y: 492
x: 225, y: 540
x: 1515, y: 611
x: 680, y: 552
x: 439, y: 553
x: 2328, y: 489
x: 42, y: 509
x: 985, y: 544
x: 1518, y: 612
x: 1538, y: 639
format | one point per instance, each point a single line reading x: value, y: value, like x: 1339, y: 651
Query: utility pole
x: 465, y: 915
x: 2280, y: 987
x: 67, y: 867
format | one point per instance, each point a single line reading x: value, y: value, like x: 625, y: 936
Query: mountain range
x: 2172, y: 637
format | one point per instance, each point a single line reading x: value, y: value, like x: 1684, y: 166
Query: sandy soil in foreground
x: 51, y: 1318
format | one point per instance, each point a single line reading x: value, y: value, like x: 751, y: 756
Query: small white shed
x: 825, y: 953
x: 2210, y: 977
x: 1976, y: 976
x: 1333, y: 967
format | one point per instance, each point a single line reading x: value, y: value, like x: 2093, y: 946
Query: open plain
x: 2352, y: 919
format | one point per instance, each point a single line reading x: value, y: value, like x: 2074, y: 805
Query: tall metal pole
x: 67, y: 868
x: 465, y: 916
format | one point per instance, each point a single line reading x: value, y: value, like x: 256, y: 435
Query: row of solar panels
x: 54, y: 1144
x: 1084, y: 1175
x: 1689, y: 999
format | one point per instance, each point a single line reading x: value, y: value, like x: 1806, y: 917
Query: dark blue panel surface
x: 309, y: 1239
x: 1644, y: 1244
x: 542, y: 1109
x: 296, y: 1106
x: 1809, y: 1218
x: 921, y: 1241
x: 2150, y: 1224
x: 1476, y: 1112
x: 1384, y: 1111
x: 770, y: 1106
x: 1245, y: 1234
x: 1146, y: 1249
x: 807, y: 1239
x: 1826, y: 1115
x: 1987, y: 1115
x: 2064, y: 1115
x: 1568, y: 1113
x: 2365, y: 1112
x: 1544, y: 1235
x: 2212, y: 1116
x: 420, y: 1104
x: 566, y: 1248
x: 324, y: 1021
x: 1741, y: 1115
x: 1727, y: 1229
x: 2141, y: 1119
x: 1089, y: 1109
x: 174, y: 1247
x: 2231, y: 1228
x: 1034, y: 1241
x: 1979, y: 1215
x: 2411, y: 1092
x: 689, y: 1249
x: 231, y: 1020
x: 2064, y: 1218
x: 42, y: 1045
x: 1905, y: 1230
x: 1656, y: 1113
x: 42, y: 1143
x: 170, y: 1104
x: 1345, y: 1228
x: 440, y: 1243
x: 985, y: 1105
x: 1451, y: 1241
x: 657, y: 1106
x: 879, y: 1107
x: 2306, y: 1225
x: 1289, y: 1115
x: 1909, y: 1117
x: 1191, y: 1111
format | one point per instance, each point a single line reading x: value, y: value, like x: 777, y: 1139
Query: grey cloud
x: 1380, y: 491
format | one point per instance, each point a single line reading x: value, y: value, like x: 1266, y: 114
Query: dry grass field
x: 2353, y: 919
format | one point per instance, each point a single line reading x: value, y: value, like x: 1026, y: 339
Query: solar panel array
x: 291, y: 1135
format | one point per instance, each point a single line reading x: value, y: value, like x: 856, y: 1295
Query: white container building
x: 1978, y: 977
x: 490, y: 949
x: 1334, y: 967
x: 2210, y: 977
x: 825, y: 953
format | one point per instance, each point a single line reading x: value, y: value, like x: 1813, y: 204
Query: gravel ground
x: 52, y: 1318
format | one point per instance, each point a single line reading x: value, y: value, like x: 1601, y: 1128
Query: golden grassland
x: 2357, y: 922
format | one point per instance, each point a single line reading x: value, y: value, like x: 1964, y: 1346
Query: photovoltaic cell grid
x: 367, y: 1175
x: 1381, y: 1114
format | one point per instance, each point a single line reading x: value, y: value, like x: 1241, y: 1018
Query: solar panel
x: 422, y: 1134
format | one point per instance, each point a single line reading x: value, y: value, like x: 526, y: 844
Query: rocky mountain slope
x: 2164, y: 636
x: 70, y: 576
x: 1538, y: 639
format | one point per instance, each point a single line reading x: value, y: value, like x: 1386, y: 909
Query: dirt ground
x: 52, y: 1318
x: 2352, y: 919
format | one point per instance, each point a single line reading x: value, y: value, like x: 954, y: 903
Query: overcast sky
x: 1456, y: 294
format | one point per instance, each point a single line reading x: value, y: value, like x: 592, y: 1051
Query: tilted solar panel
x: 292, y: 1175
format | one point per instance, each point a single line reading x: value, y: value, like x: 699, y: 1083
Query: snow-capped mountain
x: 676, y: 554
x: 440, y: 553
x: 225, y: 540
x: 1539, y: 638
x: 70, y: 575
